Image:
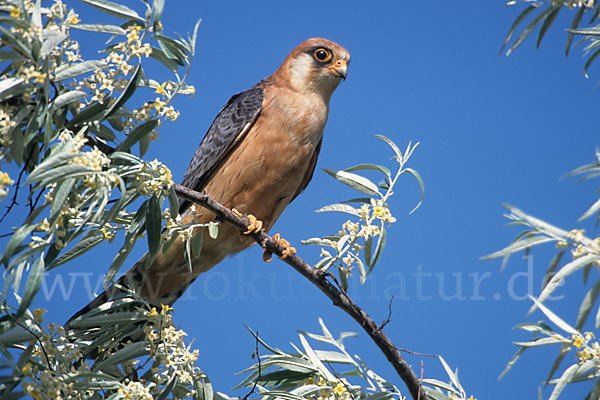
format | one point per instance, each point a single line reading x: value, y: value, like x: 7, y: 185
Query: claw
x: 255, y: 223
x: 287, y: 248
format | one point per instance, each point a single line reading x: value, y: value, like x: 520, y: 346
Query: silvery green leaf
x: 379, y: 247
x: 421, y: 186
x: 518, y: 246
x: 587, y: 304
x: 562, y: 381
x: 372, y: 167
x: 361, y: 269
x: 314, y: 359
x: 123, y: 317
x: 20, y: 334
x: 543, y: 341
x: 450, y: 373
x: 128, y: 92
x: 512, y: 361
x: 51, y: 42
x: 106, y: 28
x: 213, y: 229
x: 345, y: 208
x: 333, y: 357
x: 195, y: 36
x: 555, y: 319
x: 67, y: 71
x: 591, y: 211
x: 114, y: 9
x: 67, y: 98
x: 367, y: 250
x: 16, y: 239
x: 392, y: 145
x: 355, y: 181
x: 34, y: 280
x: 137, y: 134
x: 153, y: 227
x: 83, y: 246
x: 129, y: 352
x: 318, y: 242
x: 197, y: 240
x: 565, y: 271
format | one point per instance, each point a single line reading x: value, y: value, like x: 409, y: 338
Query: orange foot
x: 255, y: 224
x: 287, y: 248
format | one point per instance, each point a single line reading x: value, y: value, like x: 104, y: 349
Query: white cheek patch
x: 300, y: 69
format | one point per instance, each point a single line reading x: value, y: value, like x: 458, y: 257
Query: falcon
x: 258, y: 155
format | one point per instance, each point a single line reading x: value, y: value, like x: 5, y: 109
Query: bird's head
x: 316, y: 65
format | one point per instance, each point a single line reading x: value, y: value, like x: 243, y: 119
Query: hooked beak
x: 339, y: 68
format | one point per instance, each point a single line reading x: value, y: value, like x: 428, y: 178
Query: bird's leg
x: 255, y: 223
x: 287, y: 248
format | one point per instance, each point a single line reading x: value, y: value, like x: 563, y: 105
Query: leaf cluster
x: 544, y: 13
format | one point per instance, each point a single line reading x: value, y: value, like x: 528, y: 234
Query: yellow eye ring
x: 322, y: 55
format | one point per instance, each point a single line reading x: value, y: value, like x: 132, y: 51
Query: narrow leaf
x: 114, y: 9
x: 34, y: 280
x: 548, y: 22
x: 67, y: 71
x: 574, y: 25
x: 153, y: 227
x: 138, y: 133
x: 345, y: 208
x: 378, y: 248
x: 105, y: 28
x: 586, y: 305
x: 565, y: 271
x: 392, y: 145
x: 357, y: 182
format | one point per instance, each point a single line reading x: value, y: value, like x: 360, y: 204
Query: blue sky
x: 492, y: 129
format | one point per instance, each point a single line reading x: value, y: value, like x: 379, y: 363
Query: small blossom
x: 160, y: 89
x: 73, y: 19
x: 15, y: 12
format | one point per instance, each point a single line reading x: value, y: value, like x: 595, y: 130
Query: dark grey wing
x: 310, y: 171
x: 231, y: 124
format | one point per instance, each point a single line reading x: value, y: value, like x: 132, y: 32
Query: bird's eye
x: 322, y: 55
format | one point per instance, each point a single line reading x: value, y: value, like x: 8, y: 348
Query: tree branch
x: 319, y: 279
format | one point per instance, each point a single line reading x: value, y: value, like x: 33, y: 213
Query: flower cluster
x: 169, y: 349
x: 582, y: 245
x: 135, y: 391
x: 49, y: 373
x: 5, y: 181
x: 587, y: 347
x: 133, y: 46
x: 153, y: 178
x: 6, y: 125
x: 576, y: 3
x: 337, y: 390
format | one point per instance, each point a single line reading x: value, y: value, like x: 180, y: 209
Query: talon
x: 267, y: 255
x: 288, y: 250
x: 255, y: 225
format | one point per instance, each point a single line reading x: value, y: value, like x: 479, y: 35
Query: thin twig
x: 421, y: 377
x: 257, y: 353
x: 319, y: 279
x: 417, y: 353
x: 17, y: 185
x: 340, y: 380
x: 389, y: 317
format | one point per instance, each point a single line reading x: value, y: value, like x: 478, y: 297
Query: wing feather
x: 231, y: 124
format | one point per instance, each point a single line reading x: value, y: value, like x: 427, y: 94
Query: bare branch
x: 319, y: 279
